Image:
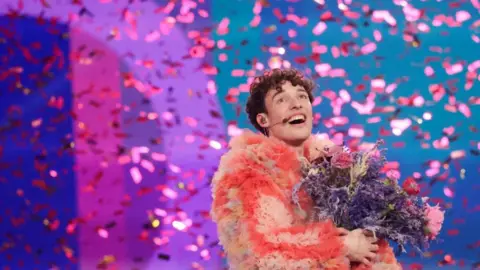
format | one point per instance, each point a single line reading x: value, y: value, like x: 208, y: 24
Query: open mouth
x: 297, y: 119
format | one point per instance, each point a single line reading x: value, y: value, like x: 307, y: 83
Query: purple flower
x: 373, y: 203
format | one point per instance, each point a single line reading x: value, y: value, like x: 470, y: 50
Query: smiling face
x: 289, y: 114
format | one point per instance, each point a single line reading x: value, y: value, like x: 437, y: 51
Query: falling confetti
x: 405, y: 71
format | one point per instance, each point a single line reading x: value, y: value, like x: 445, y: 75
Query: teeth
x: 297, y: 117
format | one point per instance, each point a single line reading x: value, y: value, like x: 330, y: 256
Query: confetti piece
x: 179, y: 225
x: 136, y: 175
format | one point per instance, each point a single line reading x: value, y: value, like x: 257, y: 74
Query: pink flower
x: 329, y: 151
x: 342, y: 160
x: 393, y: 175
x: 435, y: 218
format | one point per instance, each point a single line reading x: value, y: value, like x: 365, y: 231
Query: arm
x: 252, y: 199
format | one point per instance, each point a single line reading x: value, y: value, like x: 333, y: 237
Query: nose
x: 295, y: 103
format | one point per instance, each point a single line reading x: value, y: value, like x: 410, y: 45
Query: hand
x: 360, y: 248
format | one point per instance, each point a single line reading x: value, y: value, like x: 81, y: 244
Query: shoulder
x: 245, y: 151
x: 252, y: 154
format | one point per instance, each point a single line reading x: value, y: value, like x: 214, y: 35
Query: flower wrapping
x: 352, y: 191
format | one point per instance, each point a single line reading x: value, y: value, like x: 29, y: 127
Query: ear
x: 262, y: 120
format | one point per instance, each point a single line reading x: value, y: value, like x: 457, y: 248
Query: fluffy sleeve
x: 257, y: 228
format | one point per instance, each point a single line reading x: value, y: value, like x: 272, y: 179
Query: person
x: 258, y: 225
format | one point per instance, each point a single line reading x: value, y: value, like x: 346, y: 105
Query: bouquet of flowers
x: 352, y: 190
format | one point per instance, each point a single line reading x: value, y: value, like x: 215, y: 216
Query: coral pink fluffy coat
x: 257, y: 223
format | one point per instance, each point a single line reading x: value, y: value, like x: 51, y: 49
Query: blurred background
x: 114, y: 114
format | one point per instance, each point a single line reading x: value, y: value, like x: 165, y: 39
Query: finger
x: 342, y: 231
x: 372, y: 240
x: 371, y: 256
x: 368, y: 233
x: 366, y: 261
x: 374, y: 248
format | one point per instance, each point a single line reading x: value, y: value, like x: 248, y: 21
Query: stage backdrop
x: 113, y: 116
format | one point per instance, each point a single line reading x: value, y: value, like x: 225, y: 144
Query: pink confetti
x: 189, y: 138
x: 378, y: 85
x: 317, y: 101
x: 53, y: 173
x: 339, y: 120
x: 377, y: 35
x: 233, y: 130
x: 411, y: 14
x: 427, y: 116
x: 223, y: 27
x: 169, y: 193
x: 448, y: 192
x: 457, y: 154
x: 344, y: 95
x: 190, y: 121
x: 179, y: 225
x: 319, y: 28
x: 437, y: 91
x: 323, y: 69
x: 462, y: 16
x: 238, y: 72
x: 192, y: 248
x: 400, y: 125
x: 160, y: 212
x: 443, y: 143
x: 320, y: 49
x: 383, y: 16
x: 454, y: 69
x: 337, y: 73
x: 373, y: 120
x: 215, y: 145
x: 392, y: 104
x: 257, y: 8
x: 365, y: 108
x: 158, y: 156
x: 474, y: 66
x: 369, y: 48
x: 255, y: 21
x: 205, y: 254
x: 356, y: 131
x: 136, y: 175
x: 102, y: 233
x: 174, y: 168
x: 168, y: 116
x: 429, y: 71
x: 465, y: 110
x: 147, y: 165
x: 432, y: 172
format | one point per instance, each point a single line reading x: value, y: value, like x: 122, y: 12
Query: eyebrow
x: 278, y: 92
x: 301, y: 90
x: 282, y: 91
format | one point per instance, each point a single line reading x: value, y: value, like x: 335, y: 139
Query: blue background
x: 412, y: 157
x: 50, y: 148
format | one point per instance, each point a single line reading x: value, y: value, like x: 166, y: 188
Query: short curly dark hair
x: 273, y: 79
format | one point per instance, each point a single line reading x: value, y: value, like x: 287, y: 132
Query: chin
x: 298, y: 138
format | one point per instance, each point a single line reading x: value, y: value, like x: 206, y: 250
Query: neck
x: 299, y: 150
x: 299, y: 146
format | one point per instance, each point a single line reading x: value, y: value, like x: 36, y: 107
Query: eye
x: 303, y: 96
x: 280, y: 100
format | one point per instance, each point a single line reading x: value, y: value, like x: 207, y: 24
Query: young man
x: 258, y: 225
